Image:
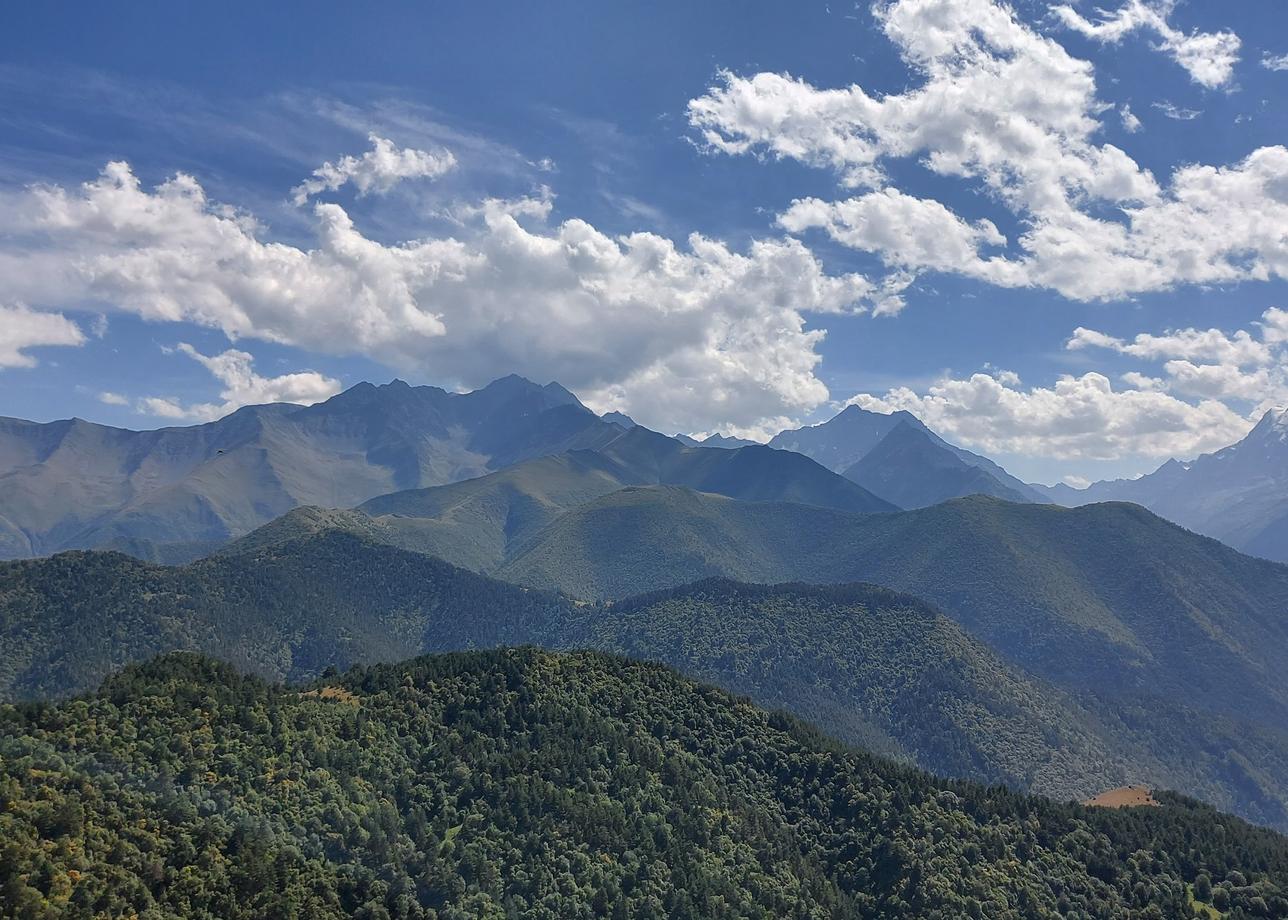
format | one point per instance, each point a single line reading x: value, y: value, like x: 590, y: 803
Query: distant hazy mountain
x: 869, y: 665
x: 913, y: 469
x: 718, y: 440
x: 480, y: 523
x: 843, y: 440
x: 176, y: 492
x: 917, y: 468
x: 1238, y: 495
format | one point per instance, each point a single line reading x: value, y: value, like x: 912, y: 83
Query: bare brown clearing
x: 1124, y: 797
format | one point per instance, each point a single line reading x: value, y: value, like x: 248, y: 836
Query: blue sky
x: 567, y: 127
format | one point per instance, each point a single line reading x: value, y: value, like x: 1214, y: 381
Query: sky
x: 1056, y: 232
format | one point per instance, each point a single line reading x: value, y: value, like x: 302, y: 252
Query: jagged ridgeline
x: 525, y: 783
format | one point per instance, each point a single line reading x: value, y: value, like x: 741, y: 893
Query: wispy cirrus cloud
x: 1176, y: 112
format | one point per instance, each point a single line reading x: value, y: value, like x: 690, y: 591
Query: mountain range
x: 1054, y: 649
x: 176, y: 493
x: 1239, y: 495
x: 1106, y: 596
x: 481, y: 523
x: 870, y: 666
x: 898, y: 458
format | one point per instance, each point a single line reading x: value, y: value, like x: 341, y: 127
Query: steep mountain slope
x: 481, y: 522
x: 842, y: 443
x: 1106, y: 596
x: 907, y: 467
x: 842, y: 440
x: 179, y: 491
x: 872, y: 667
x: 526, y: 784
x: 1238, y: 495
x: 755, y: 473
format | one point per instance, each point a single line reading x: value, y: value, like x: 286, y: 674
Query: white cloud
x: 1275, y: 61
x: 1001, y: 107
x: 683, y: 337
x: 1208, y: 363
x: 1207, y: 389
x: 242, y: 387
x: 910, y: 233
x: 22, y: 328
x: 161, y: 408
x: 378, y: 170
x: 1081, y: 418
x: 113, y: 399
x: 1238, y: 349
x: 1274, y: 326
x: 1131, y: 124
x: 1194, y: 400
x: 1223, y: 381
x: 1208, y: 57
x: 1175, y: 112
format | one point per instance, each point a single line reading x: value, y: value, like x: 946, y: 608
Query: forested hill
x: 870, y: 666
x: 1108, y: 597
x: 530, y: 784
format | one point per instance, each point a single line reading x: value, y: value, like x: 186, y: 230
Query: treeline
x: 522, y: 783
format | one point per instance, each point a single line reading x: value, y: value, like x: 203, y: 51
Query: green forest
x: 523, y: 783
x: 869, y: 666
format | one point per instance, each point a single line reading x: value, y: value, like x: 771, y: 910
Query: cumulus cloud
x: 1191, y: 344
x: 162, y: 408
x: 378, y: 170
x: 1082, y: 418
x: 910, y: 233
x: 109, y: 398
x: 1010, y: 111
x: 1208, y: 57
x: 1131, y: 124
x: 688, y: 337
x: 1274, y: 326
x: 241, y: 387
x: 1202, y: 389
x: 1250, y: 367
x: 22, y: 328
x: 1275, y: 61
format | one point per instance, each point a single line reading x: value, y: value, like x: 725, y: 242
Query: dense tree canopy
x: 529, y: 784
